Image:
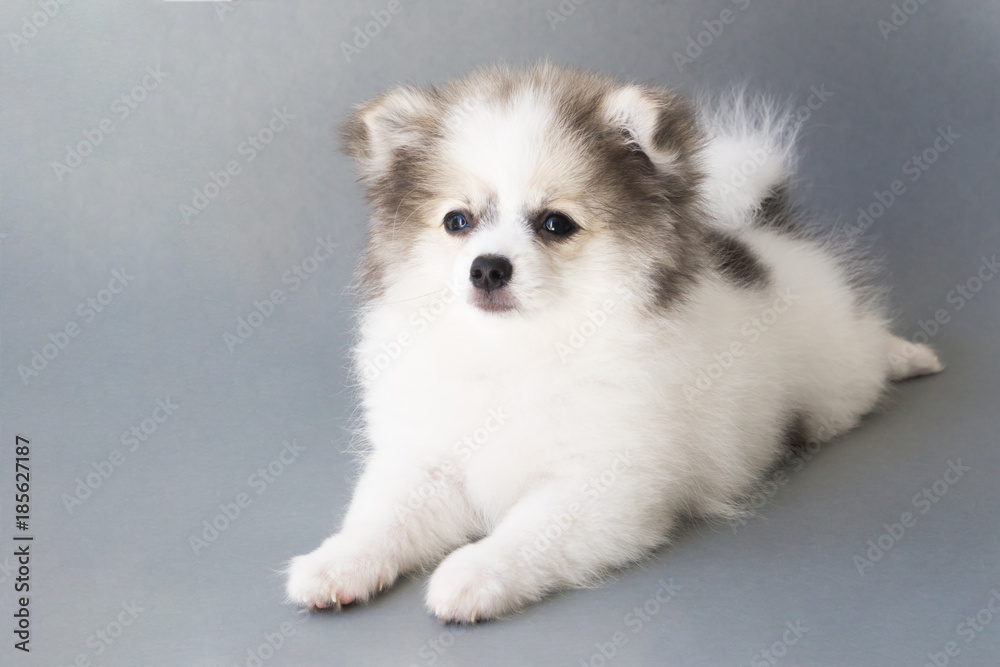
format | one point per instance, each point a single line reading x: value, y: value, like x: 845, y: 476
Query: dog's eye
x: 456, y: 222
x: 558, y: 224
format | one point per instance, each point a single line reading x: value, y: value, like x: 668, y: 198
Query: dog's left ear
x: 655, y: 121
x: 388, y: 126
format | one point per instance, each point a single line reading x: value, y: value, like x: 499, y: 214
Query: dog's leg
x: 553, y: 538
x: 400, y: 518
x: 907, y: 360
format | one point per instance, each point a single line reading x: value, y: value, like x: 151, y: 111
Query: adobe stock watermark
x: 772, y: 655
x: 223, y: 9
x: 818, y: 96
x: 440, y: 480
x: 898, y: 17
x: 587, y: 328
x: 432, y: 649
x: 420, y: 320
x: 714, y: 28
x: 634, y: 621
x: 751, y: 330
x: 364, y: 34
x: 969, y: 629
x: 32, y: 23
x: 757, y: 157
x: 106, y: 636
x: 458, y: 114
x: 6, y: 569
x: 562, y: 12
x: 100, y: 471
x: 88, y: 310
x: 955, y: 300
x: 893, y: 533
x: 560, y: 522
x: 258, y: 482
x: 913, y: 169
x: 121, y: 108
x: 295, y: 276
x: 965, y: 292
x: 247, y: 150
x: 768, y: 488
x: 270, y: 643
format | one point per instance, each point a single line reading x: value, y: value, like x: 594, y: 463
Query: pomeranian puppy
x: 590, y: 311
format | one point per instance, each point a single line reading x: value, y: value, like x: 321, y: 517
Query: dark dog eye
x: 456, y: 222
x: 558, y: 224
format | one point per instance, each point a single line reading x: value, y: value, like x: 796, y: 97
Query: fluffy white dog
x: 590, y: 311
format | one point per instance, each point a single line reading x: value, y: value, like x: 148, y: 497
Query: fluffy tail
x: 749, y: 157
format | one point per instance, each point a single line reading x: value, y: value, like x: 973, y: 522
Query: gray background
x: 162, y: 335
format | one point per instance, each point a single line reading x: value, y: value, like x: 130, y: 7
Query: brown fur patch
x: 736, y: 261
x: 652, y: 214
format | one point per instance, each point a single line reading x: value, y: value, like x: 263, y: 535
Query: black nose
x: 490, y: 272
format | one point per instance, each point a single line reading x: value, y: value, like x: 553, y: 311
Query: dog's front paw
x: 468, y: 587
x: 337, y: 573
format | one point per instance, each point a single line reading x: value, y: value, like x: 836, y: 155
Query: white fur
x: 750, y: 151
x: 594, y: 472
x: 631, y: 108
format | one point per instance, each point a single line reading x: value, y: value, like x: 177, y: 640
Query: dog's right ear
x: 386, y: 127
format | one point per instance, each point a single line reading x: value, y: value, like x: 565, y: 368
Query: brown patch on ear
x: 664, y: 127
x: 389, y: 138
x: 678, y: 132
x: 354, y: 136
x: 661, y: 122
x: 400, y: 119
x: 676, y: 127
x: 646, y: 165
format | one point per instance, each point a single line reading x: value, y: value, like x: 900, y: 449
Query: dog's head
x: 523, y: 189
